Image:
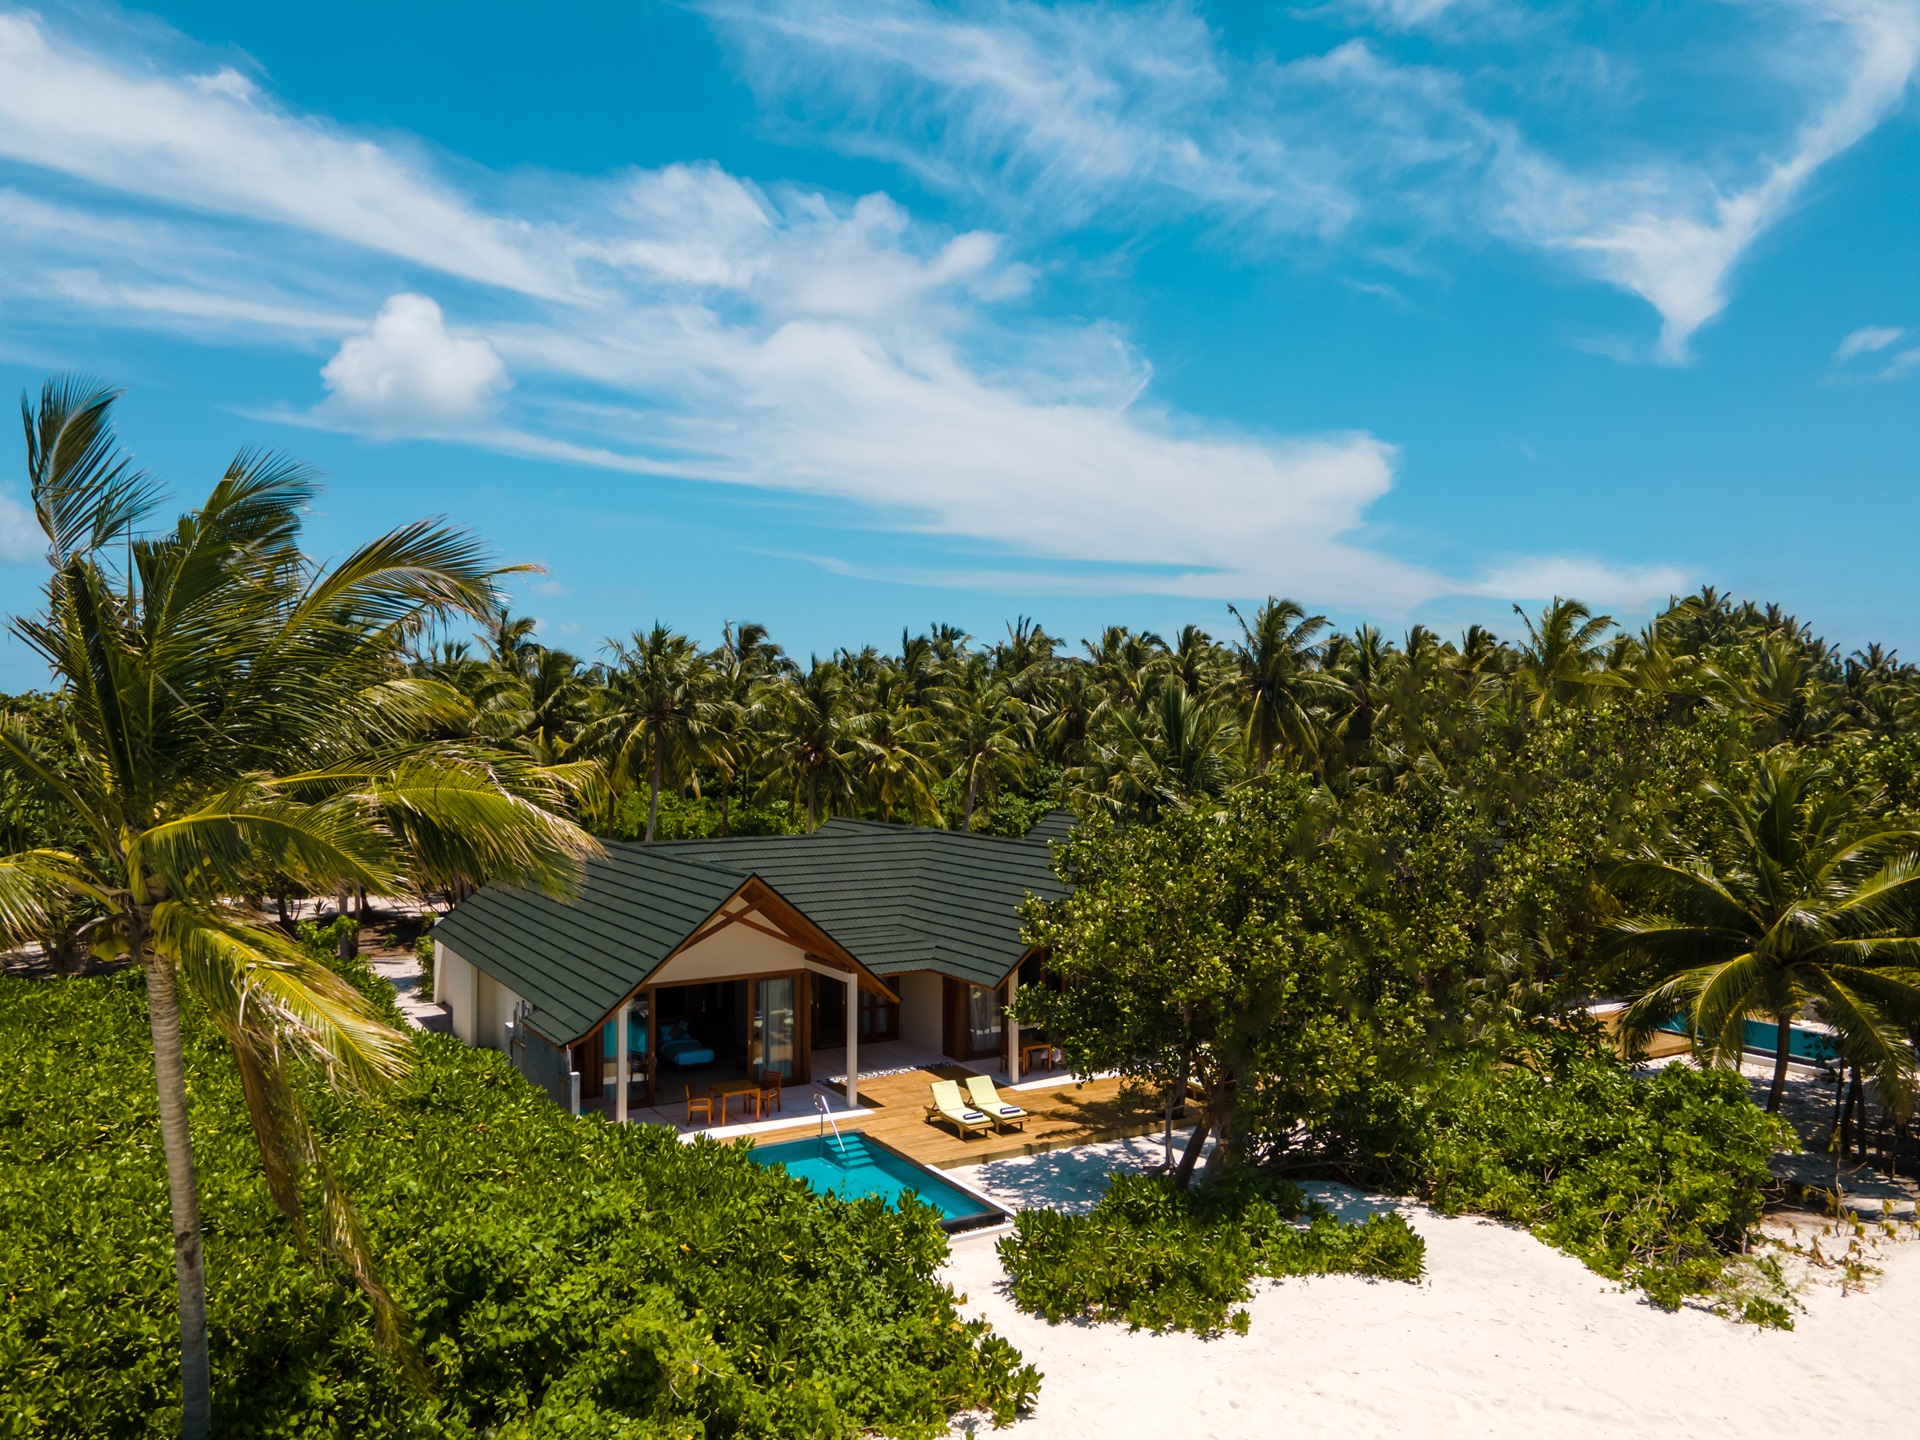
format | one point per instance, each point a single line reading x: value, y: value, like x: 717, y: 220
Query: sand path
x: 1506, y: 1337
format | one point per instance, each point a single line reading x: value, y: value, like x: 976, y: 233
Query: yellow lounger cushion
x: 981, y: 1089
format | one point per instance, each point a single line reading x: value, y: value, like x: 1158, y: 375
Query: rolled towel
x: 971, y: 1115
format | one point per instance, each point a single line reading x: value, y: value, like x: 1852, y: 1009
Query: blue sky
x: 849, y: 315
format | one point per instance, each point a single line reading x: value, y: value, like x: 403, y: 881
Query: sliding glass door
x: 983, y: 1019
x: 771, y: 1034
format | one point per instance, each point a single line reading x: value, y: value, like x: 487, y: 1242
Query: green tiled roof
x: 896, y: 897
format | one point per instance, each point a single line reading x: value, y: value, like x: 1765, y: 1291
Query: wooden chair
x: 770, y: 1082
x: 702, y: 1103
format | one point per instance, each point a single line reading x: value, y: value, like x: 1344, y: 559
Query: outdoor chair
x: 770, y: 1082
x: 987, y: 1099
x: 947, y: 1105
x: 702, y: 1103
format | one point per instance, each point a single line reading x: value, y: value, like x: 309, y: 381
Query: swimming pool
x: 854, y: 1166
x: 1810, y: 1046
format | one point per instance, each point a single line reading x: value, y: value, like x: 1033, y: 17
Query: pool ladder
x: 826, y: 1119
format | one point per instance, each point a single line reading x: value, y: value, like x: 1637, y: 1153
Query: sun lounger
x: 987, y: 1099
x: 948, y: 1106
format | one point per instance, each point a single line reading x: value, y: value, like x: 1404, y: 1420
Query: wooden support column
x: 853, y: 1039
x: 620, y: 1064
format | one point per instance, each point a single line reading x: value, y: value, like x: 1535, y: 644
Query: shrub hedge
x: 564, y: 1277
x: 1165, y: 1259
x: 1656, y: 1178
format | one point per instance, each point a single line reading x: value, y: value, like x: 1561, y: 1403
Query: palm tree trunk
x: 653, y: 796
x: 967, y: 824
x: 1782, y: 1050
x: 726, y: 797
x: 189, y: 1266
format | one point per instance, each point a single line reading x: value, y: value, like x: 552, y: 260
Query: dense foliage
x: 1163, y: 1258
x: 1654, y: 1179
x: 1233, y: 953
x: 1338, y: 887
x: 563, y: 1277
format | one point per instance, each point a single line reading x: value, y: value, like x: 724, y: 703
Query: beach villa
x: 687, y: 973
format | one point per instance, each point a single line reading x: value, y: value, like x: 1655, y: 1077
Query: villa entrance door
x: 771, y: 1037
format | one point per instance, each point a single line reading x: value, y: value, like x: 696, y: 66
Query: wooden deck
x: 1071, y: 1112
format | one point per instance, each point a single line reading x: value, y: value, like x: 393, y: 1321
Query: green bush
x: 1655, y: 1179
x: 1165, y: 1259
x: 564, y: 1276
x: 322, y: 942
x: 423, y: 956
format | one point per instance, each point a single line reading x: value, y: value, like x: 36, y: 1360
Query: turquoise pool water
x: 1808, y: 1045
x: 856, y: 1166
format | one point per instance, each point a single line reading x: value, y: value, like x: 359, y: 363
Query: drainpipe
x: 620, y: 1066
x: 853, y: 1039
x: 1010, y: 1029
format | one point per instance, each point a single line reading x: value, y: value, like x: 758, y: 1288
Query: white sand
x: 1505, y: 1337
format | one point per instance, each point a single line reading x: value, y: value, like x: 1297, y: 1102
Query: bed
x: 683, y: 1050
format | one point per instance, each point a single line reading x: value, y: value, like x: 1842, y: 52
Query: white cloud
x: 1673, y: 233
x: 1098, y: 113
x: 1903, y: 364
x: 1403, y: 14
x: 407, y: 375
x: 687, y: 322
x: 21, y: 538
x: 213, y: 143
x: 1592, y: 579
x: 1866, y: 341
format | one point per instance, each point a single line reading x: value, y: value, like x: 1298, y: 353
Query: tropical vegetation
x: 543, y: 1292
x: 1343, y: 901
x: 1161, y: 1258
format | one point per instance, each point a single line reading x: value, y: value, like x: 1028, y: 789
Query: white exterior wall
x: 453, y: 986
x: 919, y: 992
x: 494, y: 1006
x: 479, y: 1004
x: 729, y: 953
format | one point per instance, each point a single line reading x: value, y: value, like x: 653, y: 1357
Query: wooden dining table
x: 725, y: 1090
x: 1037, y: 1049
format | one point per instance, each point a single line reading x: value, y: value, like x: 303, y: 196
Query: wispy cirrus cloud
x: 1875, y: 341
x: 1095, y: 112
x: 679, y: 321
x: 1866, y: 341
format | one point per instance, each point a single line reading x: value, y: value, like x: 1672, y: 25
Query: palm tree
x: 240, y: 712
x: 739, y: 673
x: 810, y: 726
x: 891, y: 741
x: 1127, y: 665
x: 1365, y: 665
x: 1282, y: 687
x: 1179, y: 750
x: 542, y: 708
x: 657, y: 706
x: 1561, y: 663
x: 987, y: 734
x: 1068, y: 708
x: 1799, y: 901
